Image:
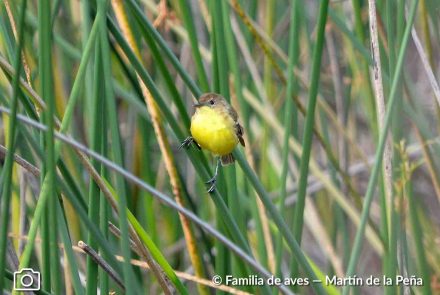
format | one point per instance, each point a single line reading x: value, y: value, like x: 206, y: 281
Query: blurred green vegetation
x: 339, y: 177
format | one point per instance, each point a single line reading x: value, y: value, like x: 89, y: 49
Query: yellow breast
x: 214, y: 130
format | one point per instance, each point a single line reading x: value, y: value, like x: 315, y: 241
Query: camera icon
x: 27, y: 280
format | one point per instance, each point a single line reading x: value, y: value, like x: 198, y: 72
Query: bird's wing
x: 239, y: 131
x: 233, y: 113
x: 238, y: 128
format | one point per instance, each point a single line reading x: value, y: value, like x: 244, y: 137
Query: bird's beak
x: 198, y: 104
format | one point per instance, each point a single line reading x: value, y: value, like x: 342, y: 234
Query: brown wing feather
x: 233, y: 113
x: 240, y: 133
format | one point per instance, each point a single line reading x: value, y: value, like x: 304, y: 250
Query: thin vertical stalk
x: 391, y: 213
x: 433, y: 172
x: 46, y: 75
x: 428, y: 67
x: 27, y: 70
x: 418, y: 238
x: 86, y: 33
x: 147, y: 209
x: 380, y: 104
x: 292, y: 88
x: 67, y: 243
x: 308, y: 128
x: 397, y: 134
x: 117, y: 153
x: 339, y: 226
x: 390, y: 216
x: 104, y: 207
x: 94, y: 194
x: 222, y: 259
x: 364, y: 64
x: 45, y: 240
x: 185, y: 8
x: 426, y: 32
x: 265, y: 163
x: 7, y: 169
x: 354, y: 257
x: 219, y: 34
x: 104, y: 210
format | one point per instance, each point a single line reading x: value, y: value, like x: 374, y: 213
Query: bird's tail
x: 227, y: 159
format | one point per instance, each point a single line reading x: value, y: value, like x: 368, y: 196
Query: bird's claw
x: 212, y: 182
x: 187, y: 142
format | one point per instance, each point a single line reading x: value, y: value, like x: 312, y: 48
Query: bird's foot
x: 212, y: 180
x: 212, y: 184
x: 188, y: 141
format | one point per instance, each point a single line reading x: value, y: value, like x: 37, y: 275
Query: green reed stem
x: 308, y: 128
x: 7, y: 169
x: 354, y: 257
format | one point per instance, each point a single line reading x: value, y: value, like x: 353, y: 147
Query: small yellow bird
x: 215, y: 127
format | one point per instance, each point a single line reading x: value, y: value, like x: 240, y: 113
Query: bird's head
x: 212, y: 100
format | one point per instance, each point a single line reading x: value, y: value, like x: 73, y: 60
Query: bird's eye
x: 211, y: 102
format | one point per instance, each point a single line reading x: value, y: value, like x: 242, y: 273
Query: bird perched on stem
x: 215, y: 127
